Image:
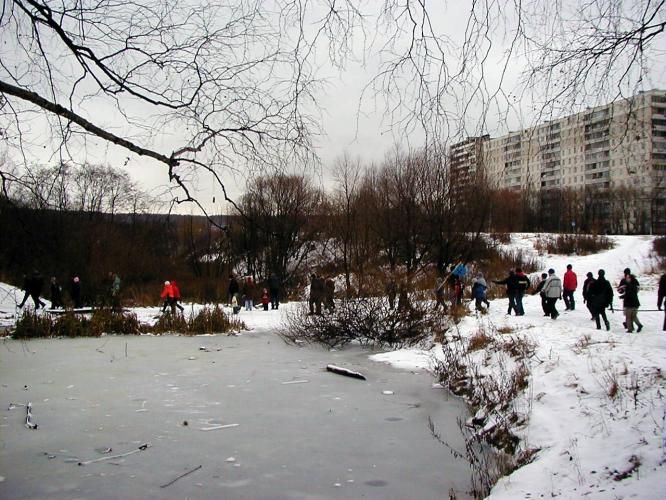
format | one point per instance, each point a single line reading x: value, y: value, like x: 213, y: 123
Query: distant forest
x: 404, y: 216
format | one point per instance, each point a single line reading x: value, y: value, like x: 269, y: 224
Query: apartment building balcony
x: 597, y: 148
x: 597, y: 116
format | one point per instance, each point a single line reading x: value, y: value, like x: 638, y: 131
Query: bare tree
x: 226, y: 83
x: 279, y: 226
x: 209, y: 88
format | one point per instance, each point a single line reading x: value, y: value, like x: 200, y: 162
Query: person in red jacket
x: 569, y: 287
x: 167, y: 296
x: 176, y: 295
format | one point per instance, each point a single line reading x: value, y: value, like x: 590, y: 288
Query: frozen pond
x: 302, y: 433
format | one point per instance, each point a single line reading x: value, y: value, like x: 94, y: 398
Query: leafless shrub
x: 581, y: 344
x: 518, y: 347
x: 480, y: 340
x: 573, y: 244
x: 504, y: 330
x: 367, y: 320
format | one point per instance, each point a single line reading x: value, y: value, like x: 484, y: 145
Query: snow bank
x: 595, y: 400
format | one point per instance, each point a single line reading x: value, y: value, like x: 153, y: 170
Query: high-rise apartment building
x: 614, y: 150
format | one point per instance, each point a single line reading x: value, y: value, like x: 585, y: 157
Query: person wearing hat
x: 589, y: 279
x: 631, y: 304
x: 539, y: 290
x: 512, y: 286
x: 75, y: 292
x: 600, y: 296
x: 570, y: 284
x: 167, y: 296
x: 552, y: 290
x: 479, y: 287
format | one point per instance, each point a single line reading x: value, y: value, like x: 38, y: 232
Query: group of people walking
x: 322, y: 291
x: 33, y: 285
x: 597, y: 294
x: 247, y: 292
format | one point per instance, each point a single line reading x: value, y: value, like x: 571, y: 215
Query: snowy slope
x: 586, y: 437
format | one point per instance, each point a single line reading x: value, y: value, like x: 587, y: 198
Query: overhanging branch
x: 59, y: 110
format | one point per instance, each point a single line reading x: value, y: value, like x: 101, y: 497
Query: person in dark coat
x: 479, y: 287
x: 391, y: 292
x: 599, y: 297
x: 274, y: 290
x: 316, y: 294
x: 75, y: 292
x: 539, y: 290
x: 589, y: 280
x: 329, y: 301
x: 233, y: 288
x: 440, y: 293
x: 33, y: 286
x: 511, y: 282
x: 56, y: 294
x: 631, y: 303
x: 661, y: 294
x: 523, y: 283
x: 249, y: 290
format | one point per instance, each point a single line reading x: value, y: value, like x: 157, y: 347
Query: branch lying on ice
x: 345, y: 372
x: 179, y: 477
x: 140, y: 448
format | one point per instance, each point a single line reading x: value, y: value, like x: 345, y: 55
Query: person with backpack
x: 570, y: 284
x: 599, y: 297
x: 539, y: 290
x: 552, y: 290
x: 630, y: 303
x: 479, y: 288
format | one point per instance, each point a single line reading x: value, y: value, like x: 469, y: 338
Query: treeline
x: 406, y: 216
x: 619, y: 210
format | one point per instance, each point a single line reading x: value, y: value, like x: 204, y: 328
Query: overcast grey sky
x: 352, y: 117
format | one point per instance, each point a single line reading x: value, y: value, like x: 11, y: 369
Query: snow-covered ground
x: 587, y: 436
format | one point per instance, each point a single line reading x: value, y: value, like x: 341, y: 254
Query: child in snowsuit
x: 265, y: 299
x: 479, y: 287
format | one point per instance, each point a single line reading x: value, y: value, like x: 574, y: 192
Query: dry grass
x: 572, y: 244
x: 479, y: 340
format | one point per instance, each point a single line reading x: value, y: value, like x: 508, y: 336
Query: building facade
x: 614, y: 154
